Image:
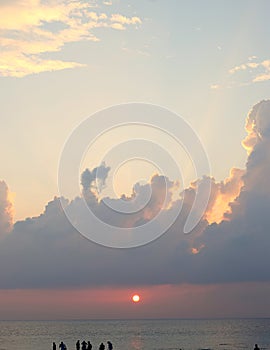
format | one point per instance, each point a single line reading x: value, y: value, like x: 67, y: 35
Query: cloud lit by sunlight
x: 224, y: 193
x: 259, y: 71
x: 30, y: 29
x: 6, y: 208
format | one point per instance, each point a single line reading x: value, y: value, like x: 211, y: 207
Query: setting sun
x: 136, y: 298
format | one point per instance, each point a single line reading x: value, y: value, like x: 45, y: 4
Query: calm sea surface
x: 138, y: 334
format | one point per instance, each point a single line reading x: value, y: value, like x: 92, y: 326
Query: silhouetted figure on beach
x: 84, y: 345
x: 53, y: 346
x: 110, y: 346
x: 101, y: 346
x: 89, y: 346
x: 62, y: 346
x: 78, y: 345
x: 256, y: 347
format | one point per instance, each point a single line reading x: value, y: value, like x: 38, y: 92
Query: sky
x: 135, y: 159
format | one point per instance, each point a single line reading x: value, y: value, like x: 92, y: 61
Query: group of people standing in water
x: 83, y: 346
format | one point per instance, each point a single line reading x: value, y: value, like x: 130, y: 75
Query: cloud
x: 6, y: 209
x: 97, y: 175
x: 19, y: 66
x: 119, y: 22
x: 230, y: 245
x: 257, y: 126
x: 51, y: 254
x: 215, y: 86
x: 30, y: 29
x: 262, y: 77
x: 252, y: 71
x: 243, y: 242
x: 257, y: 144
x: 145, y: 202
x: 125, y: 20
x: 222, y: 194
x: 260, y: 71
x: 49, y: 251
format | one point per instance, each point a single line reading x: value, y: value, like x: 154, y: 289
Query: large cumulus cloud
x: 238, y: 249
x: 6, y: 209
x: 230, y: 244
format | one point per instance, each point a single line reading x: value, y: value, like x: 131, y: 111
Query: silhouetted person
x: 110, y: 346
x: 53, y: 346
x: 256, y: 347
x: 84, y: 345
x: 89, y: 346
x: 78, y: 345
x: 62, y: 346
x: 101, y: 346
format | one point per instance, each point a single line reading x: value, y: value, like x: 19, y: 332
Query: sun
x: 135, y: 298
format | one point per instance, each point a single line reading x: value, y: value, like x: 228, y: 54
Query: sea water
x: 138, y: 334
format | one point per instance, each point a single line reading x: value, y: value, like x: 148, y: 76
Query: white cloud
x: 215, y: 86
x: 125, y: 20
x: 261, y: 77
x: 259, y: 71
x: 21, y: 65
x: 6, y: 209
x: 30, y: 28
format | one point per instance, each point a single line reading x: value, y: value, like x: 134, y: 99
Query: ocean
x: 138, y: 334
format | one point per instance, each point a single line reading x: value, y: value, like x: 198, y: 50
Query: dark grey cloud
x: 94, y: 179
x: 47, y: 252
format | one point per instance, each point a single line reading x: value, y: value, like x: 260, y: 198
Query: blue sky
x: 171, y: 58
x: 180, y: 50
